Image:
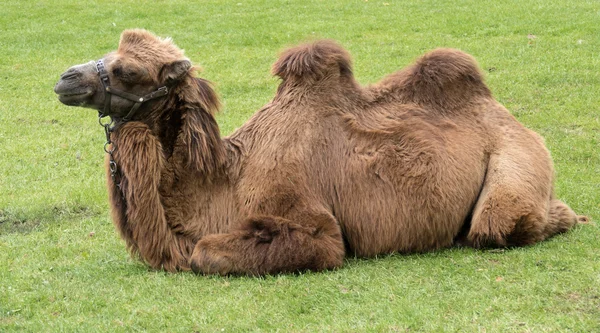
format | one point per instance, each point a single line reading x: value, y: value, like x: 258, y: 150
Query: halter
x: 108, y: 91
x: 109, y: 127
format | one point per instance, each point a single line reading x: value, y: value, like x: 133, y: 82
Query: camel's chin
x: 75, y: 99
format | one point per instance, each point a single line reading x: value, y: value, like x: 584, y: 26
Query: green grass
x: 63, y: 267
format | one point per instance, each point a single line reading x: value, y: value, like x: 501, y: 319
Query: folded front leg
x: 269, y: 245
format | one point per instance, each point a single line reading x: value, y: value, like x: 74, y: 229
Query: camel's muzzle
x: 75, y: 87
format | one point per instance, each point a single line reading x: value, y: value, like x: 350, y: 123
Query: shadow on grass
x: 26, y: 221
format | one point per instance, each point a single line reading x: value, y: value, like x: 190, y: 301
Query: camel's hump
x: 444, y: 78
x: 313, y: 61
x: 446, y: 66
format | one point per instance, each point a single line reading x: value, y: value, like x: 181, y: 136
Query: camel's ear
x: 175, y: 71
x: 205, y: 151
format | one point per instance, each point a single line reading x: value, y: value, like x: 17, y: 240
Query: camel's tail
x: 561, y: 218
x: 313, y: 62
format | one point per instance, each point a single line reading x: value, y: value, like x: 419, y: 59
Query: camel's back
x: 399, y: 164
x: 395, y: 178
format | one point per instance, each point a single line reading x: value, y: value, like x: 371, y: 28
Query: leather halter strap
x: 109, y: 91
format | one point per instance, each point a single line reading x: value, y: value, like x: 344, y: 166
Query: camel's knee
x: 310, y: 243
x: 269, y: 245
x: 207, y: 260
x: 213, y: 255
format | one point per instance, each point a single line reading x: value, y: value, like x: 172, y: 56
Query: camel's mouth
x: 77, y: 86
x: 75, y: 98
x: 72, y: 96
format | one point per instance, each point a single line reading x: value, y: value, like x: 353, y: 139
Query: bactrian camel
x: 422, y: 160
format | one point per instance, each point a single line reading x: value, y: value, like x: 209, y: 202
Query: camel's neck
x: 167, y: 129
x: 137, y: 209
x: 162, y: 160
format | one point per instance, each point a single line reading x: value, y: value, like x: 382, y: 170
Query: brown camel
x: 422, y: 160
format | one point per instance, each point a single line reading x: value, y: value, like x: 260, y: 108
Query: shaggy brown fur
x: 422, y: 160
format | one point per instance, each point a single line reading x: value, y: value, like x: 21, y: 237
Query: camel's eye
x: 132, y: 75
x: 118, y: 71
x: 126, y: 75
x: 128, y: 72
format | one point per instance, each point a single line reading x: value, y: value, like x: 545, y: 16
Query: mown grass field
x: 64, y: 268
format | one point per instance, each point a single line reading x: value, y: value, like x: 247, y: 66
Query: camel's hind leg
x: 560, y: 219
x: 514, y: 207
x: 268, y: 245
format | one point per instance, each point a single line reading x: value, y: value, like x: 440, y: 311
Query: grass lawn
x: 64, y: 268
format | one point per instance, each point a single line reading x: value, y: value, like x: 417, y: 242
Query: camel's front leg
x: 269, y: 245
x: 137, y: 209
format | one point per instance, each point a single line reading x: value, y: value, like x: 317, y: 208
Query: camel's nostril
x: 69, y: 74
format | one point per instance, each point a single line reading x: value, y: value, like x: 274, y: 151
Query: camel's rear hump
x: 445, y: 79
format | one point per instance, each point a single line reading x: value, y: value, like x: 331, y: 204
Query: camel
x: 422, y: 160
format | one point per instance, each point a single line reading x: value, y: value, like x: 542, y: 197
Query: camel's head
x: 127, y: 82
x: 148, y: 79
